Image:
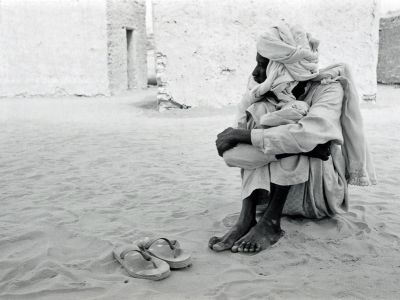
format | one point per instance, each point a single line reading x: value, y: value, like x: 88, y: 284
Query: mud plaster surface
x: 210, y: 45
x: 63, y: 47
x: 122, y: 15
x: 389, y: 48
x: 53, y: 47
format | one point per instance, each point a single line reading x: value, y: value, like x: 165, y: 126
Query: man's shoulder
x: 321, y: 88
x: 326, y: 91
x: 330, y: 85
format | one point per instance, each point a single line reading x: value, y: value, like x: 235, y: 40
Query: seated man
x: 273, y: 172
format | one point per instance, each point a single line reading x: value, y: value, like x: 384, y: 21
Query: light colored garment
x: 359, y: 166
x: 318, y: 188
x: 294, y: 55
x: 290, y: 113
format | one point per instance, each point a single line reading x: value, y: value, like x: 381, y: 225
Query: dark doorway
x: 131, y: 57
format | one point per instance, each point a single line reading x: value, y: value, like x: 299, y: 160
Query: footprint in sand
x: 230, y: 220
x: 359, y: 207
x: 179, y: 214
x: 346, y: 222
x: 242, y: 289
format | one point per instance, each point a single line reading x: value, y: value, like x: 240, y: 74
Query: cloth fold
x: 290, y: 113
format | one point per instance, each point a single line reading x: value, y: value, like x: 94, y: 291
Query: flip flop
x: 168, y: 251
x: 140, y: 264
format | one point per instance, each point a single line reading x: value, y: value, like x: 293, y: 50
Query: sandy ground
x: 79, y: 175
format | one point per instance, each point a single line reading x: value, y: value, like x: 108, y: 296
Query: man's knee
x: 235, y: 157
x: 246, y: 157
x: 230, y: 158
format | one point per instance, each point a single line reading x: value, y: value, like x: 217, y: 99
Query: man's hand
x: 321, y: 151
x: 230, y: 137
x: 225, y: 141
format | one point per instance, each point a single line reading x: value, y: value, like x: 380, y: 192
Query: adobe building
x: 72, y: 47
x: 389, y: 50
x: 206, y: 49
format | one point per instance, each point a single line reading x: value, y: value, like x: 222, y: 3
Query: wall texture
x: 389, y: 50
x: 207, y: 48
x: 122, y: 15
x: 53, y: 47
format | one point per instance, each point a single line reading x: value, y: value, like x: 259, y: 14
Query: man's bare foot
x: 260, y: 237
x: 226, y: 242
x: 247, y: 219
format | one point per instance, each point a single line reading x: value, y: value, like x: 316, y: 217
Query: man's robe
x: 318, y: 188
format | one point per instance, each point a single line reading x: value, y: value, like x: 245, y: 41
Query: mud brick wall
x: 65, y: 47
x: 53, y: 47
x: 389, y: 51
x: 123, y: 15
x: 206, y: 49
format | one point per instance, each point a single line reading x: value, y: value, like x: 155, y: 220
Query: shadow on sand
x: 148, y: 103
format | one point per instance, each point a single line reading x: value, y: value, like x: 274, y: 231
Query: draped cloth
x: 359, y: 165
x: 290, y: 113
x: 293, y: 57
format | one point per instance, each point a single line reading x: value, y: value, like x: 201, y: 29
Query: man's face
x: 259, y: 72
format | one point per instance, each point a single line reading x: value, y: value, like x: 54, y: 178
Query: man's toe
x: 235, y: 247
x: 220, y: 246
x: 258, y: 248
x: 247, y: 247
x: 252, y: 248
x: 241, y: 247
x: 213, y: 241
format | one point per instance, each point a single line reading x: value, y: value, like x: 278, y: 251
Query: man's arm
x: 230, y: 137
x: 321, y: 125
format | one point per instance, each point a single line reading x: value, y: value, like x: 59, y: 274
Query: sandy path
x: 77, y: 175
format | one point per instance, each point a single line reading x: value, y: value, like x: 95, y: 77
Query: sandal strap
x: 173, y: 244
x: 144, y: 254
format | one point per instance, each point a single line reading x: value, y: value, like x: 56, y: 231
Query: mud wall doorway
x: 131, y: 57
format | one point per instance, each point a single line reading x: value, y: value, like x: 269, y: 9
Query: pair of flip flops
x: 152, y: 259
